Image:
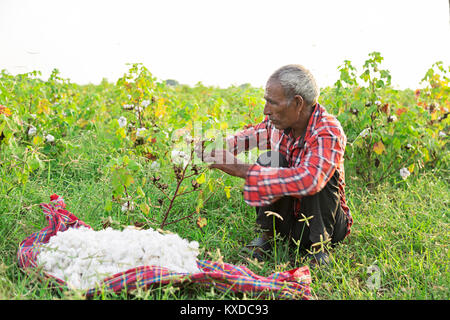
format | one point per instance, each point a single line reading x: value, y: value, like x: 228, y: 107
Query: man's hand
x: 227, y: 162
x: 220, y: 156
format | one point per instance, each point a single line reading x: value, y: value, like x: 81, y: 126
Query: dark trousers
x: 323, y: 211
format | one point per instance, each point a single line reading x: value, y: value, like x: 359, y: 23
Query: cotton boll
x: 155, y: 165
x: 32, y: 131
x: 122, y: 122
x: 404, y: 173
x: 364, y: 133
x: 49, y: 138
x: 140, y: 132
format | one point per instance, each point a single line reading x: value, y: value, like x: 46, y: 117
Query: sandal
x: 257, y: 247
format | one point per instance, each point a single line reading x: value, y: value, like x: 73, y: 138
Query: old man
x: 300, y: 181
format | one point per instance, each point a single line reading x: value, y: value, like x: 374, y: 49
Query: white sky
x: 222, y: 42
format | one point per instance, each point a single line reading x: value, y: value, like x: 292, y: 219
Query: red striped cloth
x: 291, y: 284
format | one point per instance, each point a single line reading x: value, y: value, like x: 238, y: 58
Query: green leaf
x: 108, y: 205
x: 125, y: 160
x: 37, y: 140
x: 144, y: 208
x: 199, y: 203
x: 201, y: 179
x: 380, y: 84
x: 133, y: 165
x: 34, y: 163
x: 127, y: 180
x: 227, y: 191
x: 121, y: 132
x: 140, y: 192
x: 210, y: 185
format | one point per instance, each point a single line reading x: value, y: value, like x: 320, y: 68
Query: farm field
x: 114, y: 151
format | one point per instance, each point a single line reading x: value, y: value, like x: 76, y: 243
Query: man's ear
x: 299, y: 103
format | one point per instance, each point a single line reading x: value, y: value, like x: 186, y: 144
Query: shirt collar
x: 311, y: 123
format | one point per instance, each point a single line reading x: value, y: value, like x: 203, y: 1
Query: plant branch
x: 166, y: 215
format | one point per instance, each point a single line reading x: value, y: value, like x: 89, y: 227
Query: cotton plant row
x: 84, y: 257
x: 391, y: 134
x: 404, y: 172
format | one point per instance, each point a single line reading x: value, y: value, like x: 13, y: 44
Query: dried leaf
x: 201, y: 222
x: 400, y: 111
x: 271, y: 213
x: 378, y: 147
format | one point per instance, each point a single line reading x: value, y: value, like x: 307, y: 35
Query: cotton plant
x: 83, y: 257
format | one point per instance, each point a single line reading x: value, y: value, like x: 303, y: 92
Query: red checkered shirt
x: 312, y: 160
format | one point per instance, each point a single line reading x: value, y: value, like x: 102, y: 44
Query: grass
x: 401, y: 229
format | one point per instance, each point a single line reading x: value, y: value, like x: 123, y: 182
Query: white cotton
x: 392, y: 118
x: 122, y: 121
x: 128, y: 206
x: 404, y: 173
x: 364, y: 133
x: 180, y: 157
x: 32, y: 131
x: 140, y: 132
x: 49, y: 138
x: 83, y: 257
x: 155, y: 165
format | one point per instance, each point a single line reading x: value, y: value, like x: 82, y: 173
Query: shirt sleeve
x: 252, y: 137
x: 264, y: 185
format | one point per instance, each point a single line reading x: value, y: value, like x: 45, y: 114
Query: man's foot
x: 258, y: 247
x: 320, y: 258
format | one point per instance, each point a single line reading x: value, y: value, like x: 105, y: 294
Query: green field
x: 401, y: 225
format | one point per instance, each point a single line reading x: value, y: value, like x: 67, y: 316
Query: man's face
x: 282, y: 113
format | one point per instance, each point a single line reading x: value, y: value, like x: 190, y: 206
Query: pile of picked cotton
x: 83, y: 257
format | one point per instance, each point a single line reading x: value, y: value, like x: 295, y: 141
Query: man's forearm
x: 237, y: 170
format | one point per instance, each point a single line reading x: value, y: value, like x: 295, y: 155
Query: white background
x: 221, y: 42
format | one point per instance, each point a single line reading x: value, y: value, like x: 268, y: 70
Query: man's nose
x: 267, y: 111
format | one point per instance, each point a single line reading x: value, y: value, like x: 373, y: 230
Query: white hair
x: 297, y: 80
